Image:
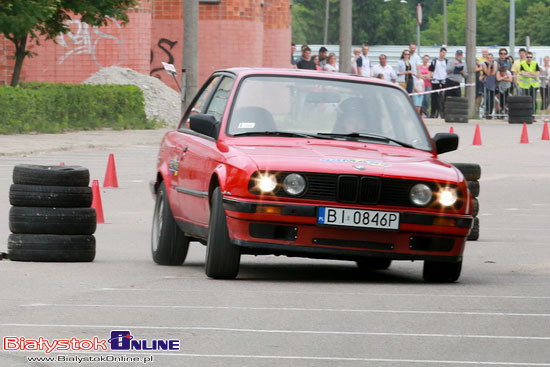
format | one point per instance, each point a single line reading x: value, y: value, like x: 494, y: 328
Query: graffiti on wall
x: 170, y: 58
x: 80, y: 40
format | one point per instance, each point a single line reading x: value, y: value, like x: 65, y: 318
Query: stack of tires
x: 51, y: 218
x: 472, y: 173
x: 456, y: 109
x: 520, y: 109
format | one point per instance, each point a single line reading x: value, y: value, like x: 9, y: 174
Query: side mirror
x: 204, y: 124
x: 445, y: 142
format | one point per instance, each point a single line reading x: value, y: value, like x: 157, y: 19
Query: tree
x: 534, y: 24
x: 24, y: 20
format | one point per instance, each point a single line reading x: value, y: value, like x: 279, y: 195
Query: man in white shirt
x: 439, y: 69
x: 363, y: 62
x: 384, y: 71
x: 414, y: 58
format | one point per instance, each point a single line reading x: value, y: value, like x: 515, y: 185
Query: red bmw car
x: 308, y: 164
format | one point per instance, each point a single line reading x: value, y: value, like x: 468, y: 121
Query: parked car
x: 308, y: 164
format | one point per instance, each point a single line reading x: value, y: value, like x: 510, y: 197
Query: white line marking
x: 314, y: 358
x: 278, y: 331
x: 298, y: 309
x: 423, y: 295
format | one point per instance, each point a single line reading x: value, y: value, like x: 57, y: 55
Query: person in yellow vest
x: 528, y: 79
x: 515, y: 69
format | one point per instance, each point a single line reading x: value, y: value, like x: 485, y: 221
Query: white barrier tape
x: 441, y: 90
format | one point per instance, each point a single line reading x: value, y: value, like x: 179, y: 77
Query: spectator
x: 516, y: 66
x: 503, y: 59
x: 305, y: 62
x: 417, y: 99
x: 315, y: 60
x: 456, y: 72
x: 406, y: 71
x: 479, y: 76
x: 356, y: 55
x: 415, y: 58
x: 331, y: 63
x: 426, y: 76
x: 439, y: 69
x: 292, y: 51
x: 504, y: 82
x: 363, y: 62
x: 384, y: 69
x: 323, y: 56
x: 490, y: 68
x: 544, y: 75
x: 528, y: 78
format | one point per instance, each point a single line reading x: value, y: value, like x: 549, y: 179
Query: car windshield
x: 326, y: 108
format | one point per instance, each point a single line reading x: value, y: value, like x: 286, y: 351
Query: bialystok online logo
x: 120, y: 340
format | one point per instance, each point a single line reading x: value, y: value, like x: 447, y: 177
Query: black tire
x: 474, y: 232
x: 30, y: 174
x: 520, y: 106
x: 470, y: 171
x: 49, y: 247
x: 519, y: 99
x: 456, y: 118
x: 441, y: 272
x: 169, y: 245
x: 475, y: 207
x: 51, y: 196
x: 520, y: 120
x: 374, y: 263
x: 36, y: 220
x: 222, y: 257
x: 521, y: 112
x: 457, y: 106
x: 456, y: 111
x: 474, y: 188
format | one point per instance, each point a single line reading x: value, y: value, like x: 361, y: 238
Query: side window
x: 199, y: 105
x: 219, y: 100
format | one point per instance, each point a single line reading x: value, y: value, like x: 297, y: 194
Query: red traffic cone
x: 524, y: 136
x: 62, y: 163
x: 452, y: 130
x: 477, y: 136
x: 110, y: 174
x: 96, y: 201
x: 545, y: 135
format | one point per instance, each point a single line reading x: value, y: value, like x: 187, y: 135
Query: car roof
x: 243, y: 71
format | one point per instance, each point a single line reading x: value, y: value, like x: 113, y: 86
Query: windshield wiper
x: 369, y: 136
x: 281, y: 133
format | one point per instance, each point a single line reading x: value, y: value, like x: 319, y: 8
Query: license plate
x: 358, y: 218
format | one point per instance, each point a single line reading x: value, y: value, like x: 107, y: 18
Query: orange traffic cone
x: 110, y: 174
x: 524, y: 136
x: 545, y: 135
x: 477, y: 136
x: 452, y: 130
x: 96, y: 201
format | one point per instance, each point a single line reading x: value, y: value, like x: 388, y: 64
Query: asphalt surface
x: 286, y: 311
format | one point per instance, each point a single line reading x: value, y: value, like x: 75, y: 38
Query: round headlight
x: 447, y: 196
x: 294, y: 184
x: 421, y: 194
x: 267, y: 183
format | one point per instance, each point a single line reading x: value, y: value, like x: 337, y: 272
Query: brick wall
x: 7, y: 60
x: 231, y: 33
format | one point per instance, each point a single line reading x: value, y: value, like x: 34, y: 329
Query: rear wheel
x: 169, y: 245
x: 441, y: 272
x: 222, y: 257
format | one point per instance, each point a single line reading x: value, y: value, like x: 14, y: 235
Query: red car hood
x: 346, y: 158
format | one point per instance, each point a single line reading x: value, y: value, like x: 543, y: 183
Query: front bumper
x: 291, y: 229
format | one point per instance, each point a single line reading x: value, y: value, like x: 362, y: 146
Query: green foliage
x: 534, y: 24
x: 50, y: 108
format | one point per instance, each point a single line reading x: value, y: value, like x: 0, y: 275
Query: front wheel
x: 222, y: 257
x: 169, y: 245
x: 441, y: 272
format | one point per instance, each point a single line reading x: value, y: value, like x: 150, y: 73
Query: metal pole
x: 512, y: 39
x: 345, y: 36
x: 445, y: 22
x: 471, y: 54
x: 190, y: 52
x: 418, y: 39
x: 325, y: 39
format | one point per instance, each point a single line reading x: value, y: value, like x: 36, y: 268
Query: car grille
x: 356, y: 189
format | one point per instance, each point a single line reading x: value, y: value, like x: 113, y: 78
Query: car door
x: 201, y: 158
x: 181, y: 143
